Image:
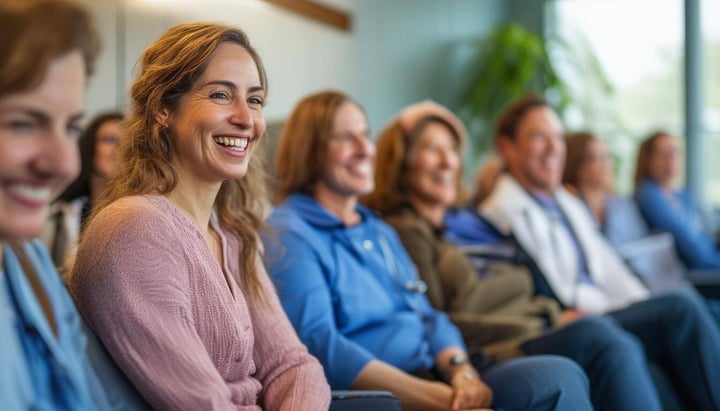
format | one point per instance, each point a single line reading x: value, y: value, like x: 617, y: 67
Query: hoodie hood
x: 315, y: 214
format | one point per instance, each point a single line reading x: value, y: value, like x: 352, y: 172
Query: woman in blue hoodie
x: 352, y: 292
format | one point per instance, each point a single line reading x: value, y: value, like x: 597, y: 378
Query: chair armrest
x: 357, y: 400
x: 654, y: 259
x: 707, y: 282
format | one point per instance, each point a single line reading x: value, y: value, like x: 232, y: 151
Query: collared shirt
x: 552, y: 208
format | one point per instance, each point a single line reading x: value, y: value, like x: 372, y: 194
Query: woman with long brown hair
x: 670, y: 208
x: 588, y: 174
x: 168, y: 272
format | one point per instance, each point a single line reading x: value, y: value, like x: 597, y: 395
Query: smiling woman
x: 167, y: 272
x: 48, y: 49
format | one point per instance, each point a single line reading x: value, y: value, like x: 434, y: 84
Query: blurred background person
x: 70, y: 211
x: 670, y: 208
x: 588, y: 174
x: 168, y: 272
x: 48, y: 52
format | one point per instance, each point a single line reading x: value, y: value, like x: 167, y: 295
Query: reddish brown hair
x: 33, y: 33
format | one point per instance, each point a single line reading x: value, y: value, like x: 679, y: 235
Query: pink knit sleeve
x: 130, y: 283
x: 292, y: 378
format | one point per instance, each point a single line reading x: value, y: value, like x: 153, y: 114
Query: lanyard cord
x: 417, y: 286
x: 407, y: 286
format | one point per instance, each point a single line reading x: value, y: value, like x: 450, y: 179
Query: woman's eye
x: 220, y: 95
x: 21, y: 126
x: 257, y: 101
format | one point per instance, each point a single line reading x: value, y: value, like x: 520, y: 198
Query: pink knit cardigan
x: 148, y: 285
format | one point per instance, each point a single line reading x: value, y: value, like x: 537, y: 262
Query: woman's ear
x: 162, y: 117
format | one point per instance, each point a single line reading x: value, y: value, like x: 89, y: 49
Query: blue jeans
x: 674, y: 331
x: 612, y: 358
x: 539, y: 383
x: 678, y: 333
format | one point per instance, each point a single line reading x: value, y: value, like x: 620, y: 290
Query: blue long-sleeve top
x: 466, y: 227
x: 678, y: 215
x: 348, y: 291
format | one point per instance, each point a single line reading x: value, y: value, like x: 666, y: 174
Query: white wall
x: 398, y: 52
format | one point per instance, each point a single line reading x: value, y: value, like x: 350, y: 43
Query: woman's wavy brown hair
x: 577, y: 156
x: 33, y: 33
x: 394, y: 147
x: 302, y: 151
x: 645, y: 152
x: 169, y: 69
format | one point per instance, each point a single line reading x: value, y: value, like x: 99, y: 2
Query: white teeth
x: 235, y: 143
x: 364, y: 168
x: 33, y: 193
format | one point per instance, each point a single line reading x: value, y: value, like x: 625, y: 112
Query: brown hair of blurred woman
x: 394, y: 145
x: 300, y: 159
x: 577, y: 146
x: 644, y: 155
x: 28, y: 48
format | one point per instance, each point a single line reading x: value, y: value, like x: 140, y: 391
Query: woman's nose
x: 58, y: 156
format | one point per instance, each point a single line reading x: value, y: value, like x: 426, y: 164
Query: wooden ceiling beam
x: 317, y: 11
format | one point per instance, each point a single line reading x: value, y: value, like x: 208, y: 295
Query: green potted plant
x: 508, y: 63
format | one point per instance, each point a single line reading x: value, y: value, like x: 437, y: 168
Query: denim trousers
x: 542, y: 383
x: 622, y: 353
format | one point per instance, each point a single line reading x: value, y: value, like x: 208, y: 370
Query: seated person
x: 72, y: 208
x: 168, y: 273
x: 48, y: 51
x: 420, y: 149
x: 352, y: 292
x: 670, y: 209
x: 588, y: 174
x: 580, y: 268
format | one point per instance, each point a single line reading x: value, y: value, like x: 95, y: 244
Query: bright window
x: 638, y: 44
x: 710, y: 10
